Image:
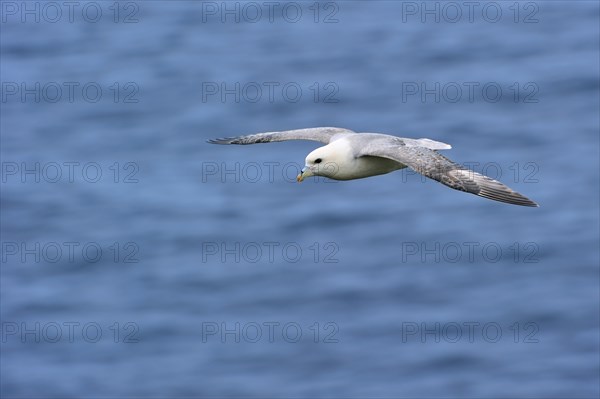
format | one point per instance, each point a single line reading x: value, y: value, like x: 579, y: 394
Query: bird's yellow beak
x: 305, y: 172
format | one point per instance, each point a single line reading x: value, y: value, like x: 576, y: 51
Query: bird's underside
x: 421, y: 155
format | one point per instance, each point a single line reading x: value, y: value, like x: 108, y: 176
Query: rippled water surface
x: 219, y: 275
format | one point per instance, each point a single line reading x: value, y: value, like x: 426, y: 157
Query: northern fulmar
x: 348, y: 155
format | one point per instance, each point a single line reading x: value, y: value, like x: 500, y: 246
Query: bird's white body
x: 340, y: 163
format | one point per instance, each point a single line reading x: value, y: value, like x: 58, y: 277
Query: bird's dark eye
x: 318, y: 160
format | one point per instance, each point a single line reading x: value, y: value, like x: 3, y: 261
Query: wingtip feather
x: 223, y: 140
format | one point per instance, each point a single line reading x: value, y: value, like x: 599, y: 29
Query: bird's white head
x: 323, y: 161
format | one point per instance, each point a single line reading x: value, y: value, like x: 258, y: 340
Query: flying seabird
x: 348, y: 155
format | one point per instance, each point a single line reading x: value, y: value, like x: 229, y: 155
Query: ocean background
x: 166, y: 266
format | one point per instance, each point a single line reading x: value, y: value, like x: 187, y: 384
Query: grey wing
x: 321, y: 134
x: 437, y: 167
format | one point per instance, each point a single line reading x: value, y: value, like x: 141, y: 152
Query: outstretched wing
x: 321, y: 134
x: 437, y: 167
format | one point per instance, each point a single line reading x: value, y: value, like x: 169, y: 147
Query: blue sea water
x: 138, y: 260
